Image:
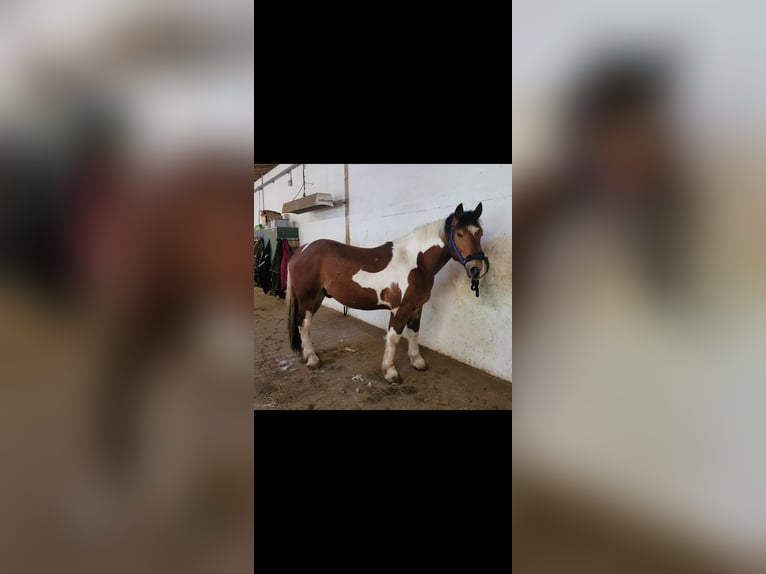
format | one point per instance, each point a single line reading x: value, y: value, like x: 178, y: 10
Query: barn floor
x: 350, y: 377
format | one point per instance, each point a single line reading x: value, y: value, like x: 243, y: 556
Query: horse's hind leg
x: 307, y: 310
x: 318, y: 302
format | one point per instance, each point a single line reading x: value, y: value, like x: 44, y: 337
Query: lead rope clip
x: 475, y: 286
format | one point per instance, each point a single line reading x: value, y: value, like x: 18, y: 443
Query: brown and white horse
x: 397, y: 275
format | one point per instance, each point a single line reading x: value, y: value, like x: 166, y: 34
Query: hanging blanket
x: 285, y: 260
x: 264, y: 269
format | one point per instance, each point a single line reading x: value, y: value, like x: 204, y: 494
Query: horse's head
x: 464, y: 236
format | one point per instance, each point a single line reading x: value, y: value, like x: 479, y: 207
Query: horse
x: 397, y: 275
x: 156, y: 258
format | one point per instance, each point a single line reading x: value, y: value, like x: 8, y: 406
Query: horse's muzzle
x: 474, y: 271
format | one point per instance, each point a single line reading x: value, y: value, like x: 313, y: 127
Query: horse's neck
x: 424, y: 238
x: 440, y: 262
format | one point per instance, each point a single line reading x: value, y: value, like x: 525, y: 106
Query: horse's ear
x: 459, y: 211
x: 477, y: 211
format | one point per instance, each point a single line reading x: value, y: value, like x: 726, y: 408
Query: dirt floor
x: 349, y: 377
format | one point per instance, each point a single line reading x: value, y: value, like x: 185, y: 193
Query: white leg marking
x: 308, y: 348
x: 413, y: 350
x: 389, y: 370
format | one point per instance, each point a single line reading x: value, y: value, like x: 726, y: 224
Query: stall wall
x: 388, y: 201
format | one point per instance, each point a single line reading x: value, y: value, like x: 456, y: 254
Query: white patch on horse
x: 305, y: 329
x: 413, y: 350
x: 403, y: 260
x: 389, y: 370
x: 473, y: 229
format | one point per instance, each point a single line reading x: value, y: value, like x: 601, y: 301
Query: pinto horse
x: 397, y: 275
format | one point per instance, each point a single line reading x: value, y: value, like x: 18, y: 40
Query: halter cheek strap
x: 479, y: 255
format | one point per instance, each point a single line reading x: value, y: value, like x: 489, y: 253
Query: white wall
x: 718, y: 47
x: 388, y: 201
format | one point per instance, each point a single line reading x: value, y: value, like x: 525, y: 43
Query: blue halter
x: 479, y: 255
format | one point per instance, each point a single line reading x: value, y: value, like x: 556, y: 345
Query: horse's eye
x: 460, y: 234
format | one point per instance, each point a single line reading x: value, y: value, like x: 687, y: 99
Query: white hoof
x: 313, y: 361
x: 419, y: 363
x: 392, y: 375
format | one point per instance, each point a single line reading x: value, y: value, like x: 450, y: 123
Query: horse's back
x: 346, y: 257
x: 331, y: 265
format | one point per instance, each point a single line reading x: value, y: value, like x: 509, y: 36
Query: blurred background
x: 126, y: 133
x: 640, y: 286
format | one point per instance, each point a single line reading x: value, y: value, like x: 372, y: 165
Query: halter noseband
x: 479, y: 255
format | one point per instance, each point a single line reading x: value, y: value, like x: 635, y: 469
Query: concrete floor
x: 349, y: 377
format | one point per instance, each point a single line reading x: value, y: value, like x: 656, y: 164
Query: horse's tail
x: 292, y: 314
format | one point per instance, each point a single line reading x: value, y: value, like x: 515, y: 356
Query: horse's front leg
x: 411, y: 332
x: 399, y: 318
x: 388, y: 368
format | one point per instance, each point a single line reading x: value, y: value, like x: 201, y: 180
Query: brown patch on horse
x: 421, y: 279
x: 433, y: 259
x: 392, y: 295
x: 330, y: 265
x: 374, y: 259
